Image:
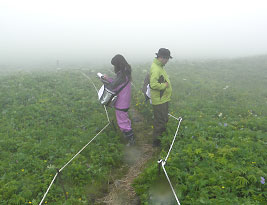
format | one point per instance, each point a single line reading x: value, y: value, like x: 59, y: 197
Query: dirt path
x: 135, y: 158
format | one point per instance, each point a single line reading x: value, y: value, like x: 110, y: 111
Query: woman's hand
x: 105, y: 77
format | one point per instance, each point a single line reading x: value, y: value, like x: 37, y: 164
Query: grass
x: 219, y: 156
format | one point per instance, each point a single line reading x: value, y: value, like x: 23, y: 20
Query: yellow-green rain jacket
x: 158, y: 76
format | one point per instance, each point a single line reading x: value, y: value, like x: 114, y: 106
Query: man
x: 161, y: 92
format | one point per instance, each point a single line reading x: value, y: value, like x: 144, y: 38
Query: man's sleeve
x: 154, y: 77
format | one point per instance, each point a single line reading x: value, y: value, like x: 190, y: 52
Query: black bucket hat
x: 164, y: 53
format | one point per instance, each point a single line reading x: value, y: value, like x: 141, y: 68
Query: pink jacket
x: 124, y: 96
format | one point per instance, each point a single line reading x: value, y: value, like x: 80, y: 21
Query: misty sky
x: 93, y: 30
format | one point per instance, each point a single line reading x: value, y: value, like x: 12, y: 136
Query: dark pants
x: 160, y: 119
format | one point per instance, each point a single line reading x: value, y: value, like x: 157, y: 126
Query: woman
x: 123, y: 77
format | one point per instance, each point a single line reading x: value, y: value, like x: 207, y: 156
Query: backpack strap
x: 122, y: 87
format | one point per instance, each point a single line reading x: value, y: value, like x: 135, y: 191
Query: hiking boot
x: 129, y: 136
x: 131, y: 141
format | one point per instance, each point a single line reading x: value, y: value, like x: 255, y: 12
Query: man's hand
x: 167, y: 84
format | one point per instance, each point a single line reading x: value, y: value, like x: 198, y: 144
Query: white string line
x: 180, y: 119
x: 48, y: 188
x: 69, y: 162
x: 163, y: 164
x: 133, y: 85
x: 174, y: 117
x: 96, y: 92
x: 83, y: 148
x: 78, y: 152
x: 107, y: 113
x: 90, y: 80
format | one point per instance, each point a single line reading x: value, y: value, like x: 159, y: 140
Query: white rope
x: 90, y: 80
x: 107, y: 113
x: 133, y: 85
x: 163, y: 162
x: 174, y: 117
x: 96, y: 92
x: 80, y: 149
x: 94, y: 136
x: 69, y: 162
x: 180, y: 119
x: 48, y: 188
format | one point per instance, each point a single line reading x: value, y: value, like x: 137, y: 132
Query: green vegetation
x: 46, y: 118
x: 220, y: 154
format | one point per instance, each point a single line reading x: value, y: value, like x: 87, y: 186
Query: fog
x: 54, y: 32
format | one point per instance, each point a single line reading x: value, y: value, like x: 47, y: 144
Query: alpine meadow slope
x: 220, y: 154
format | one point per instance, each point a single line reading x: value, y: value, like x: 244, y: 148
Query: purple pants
x: 123, y: 121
